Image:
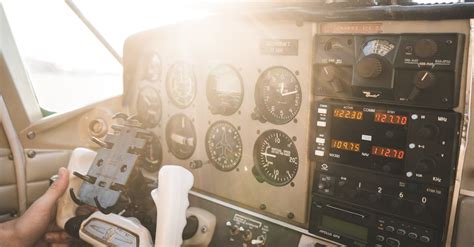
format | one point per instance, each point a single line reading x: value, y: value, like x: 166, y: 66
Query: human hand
x: 31, y: 226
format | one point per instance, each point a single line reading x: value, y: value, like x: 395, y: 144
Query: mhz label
x: 279, y: 47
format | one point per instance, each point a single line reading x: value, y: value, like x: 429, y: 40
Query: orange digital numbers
x: 388, y: 152
x: 348, y: 114
x: 345, y: 145
x: 390, y: 118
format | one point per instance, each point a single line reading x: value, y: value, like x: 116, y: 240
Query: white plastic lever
x: 171, y: 200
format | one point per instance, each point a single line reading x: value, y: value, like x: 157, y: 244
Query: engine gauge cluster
x: 181, y: 84
x: 275, y: 157
x: 223, y: 145
x: 278, y: 95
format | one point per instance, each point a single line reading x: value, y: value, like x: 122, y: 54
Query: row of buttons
x: 391, y: 242
x: 412, y: 235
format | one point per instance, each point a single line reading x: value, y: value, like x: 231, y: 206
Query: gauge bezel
x: 208, y: 151
x: 168, y: 137
x: 258, y: 96
x: 171, y: 95
x: 241, y: 81
x: 146, y: 63
x: 256, y: 150
x: 140, y: 112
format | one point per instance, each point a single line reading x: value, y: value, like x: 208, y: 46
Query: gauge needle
x: 424, y: 76
x: 270, y: 155
x: 282, y: 87
x: 326, y: 70
x: 289, y: 93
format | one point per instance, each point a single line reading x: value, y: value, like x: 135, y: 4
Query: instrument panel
x: 291, y: 123
x: 240, y: 128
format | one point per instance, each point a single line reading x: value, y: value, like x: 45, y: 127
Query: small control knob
x: 425, y: 165
x: 328, y: 74
x: 369, y: 67
x: 322, y: 185
x: 428, y: 132
x: 247, y: 235
x: 422, y: 80
x: 425, y: 48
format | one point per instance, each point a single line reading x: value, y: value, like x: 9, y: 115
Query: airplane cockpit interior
x: 273, y: 123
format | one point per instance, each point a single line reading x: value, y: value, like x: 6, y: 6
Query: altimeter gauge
x: 278, y: 95
x: 275, y: 158
x: 223, y: 145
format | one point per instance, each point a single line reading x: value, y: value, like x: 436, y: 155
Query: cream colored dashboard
x: 250, y: 46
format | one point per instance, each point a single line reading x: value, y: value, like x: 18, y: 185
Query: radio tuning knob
x: 428, y: 132
x: 425, y: 165
x: 328, y: 74
x: 369, y: 67
x: 422, y: 80
x: 425, y: 48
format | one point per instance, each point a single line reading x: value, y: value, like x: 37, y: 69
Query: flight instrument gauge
x: 153, y: 155
x: 275, y: 158
x: 377, y: 47
x: 278, y: 95
x: 223, y: 145
x: 181, y: 136
x: 149, y: 107
x: 224, y: 90
x: 181, y: 84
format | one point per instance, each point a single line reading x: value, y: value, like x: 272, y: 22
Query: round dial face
x: 149, y: 107
x: 223, y: 145
x: 224, y: 90
x: 278, y: 95
x: 275, y: 157
x: 378, y: 46
x: 181, y: 84
x: 181, y: 136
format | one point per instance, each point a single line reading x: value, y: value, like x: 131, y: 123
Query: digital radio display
x: 345, y: 145
x: 380, y: 117
x: 348, y: 114
x: 388, y: 152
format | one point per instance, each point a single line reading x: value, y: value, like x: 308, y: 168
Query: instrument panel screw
x: 31, y: 153
x: 449, y: 42
x: 204, y: 229
x: 31, y: 135
x: 290, y: 215
x: 263, y: 206
x: 444, y: 100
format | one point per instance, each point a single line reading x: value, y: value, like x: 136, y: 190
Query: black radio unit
x: 383, y: 174
x: 406, y: 69
x: 417, y: 145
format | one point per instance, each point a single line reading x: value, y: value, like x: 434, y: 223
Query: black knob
x: 425, y: 48
x: 424, y: 79
x: 428, y: 132
x: 192, y: 224
x: 328, y: 73
x: 369, y: 67
x: 425, y: 165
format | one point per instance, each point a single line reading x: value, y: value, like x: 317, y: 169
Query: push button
x: 425, y: 239
x: 412, y: 235
x: 401, y: 232
x: 380, y: 238
x: 389, y: 228
x: 391, y: 242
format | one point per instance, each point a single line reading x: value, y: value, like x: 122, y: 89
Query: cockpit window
x: 67, y: 66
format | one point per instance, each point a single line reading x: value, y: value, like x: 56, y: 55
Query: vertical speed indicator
x: 275, y: 157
